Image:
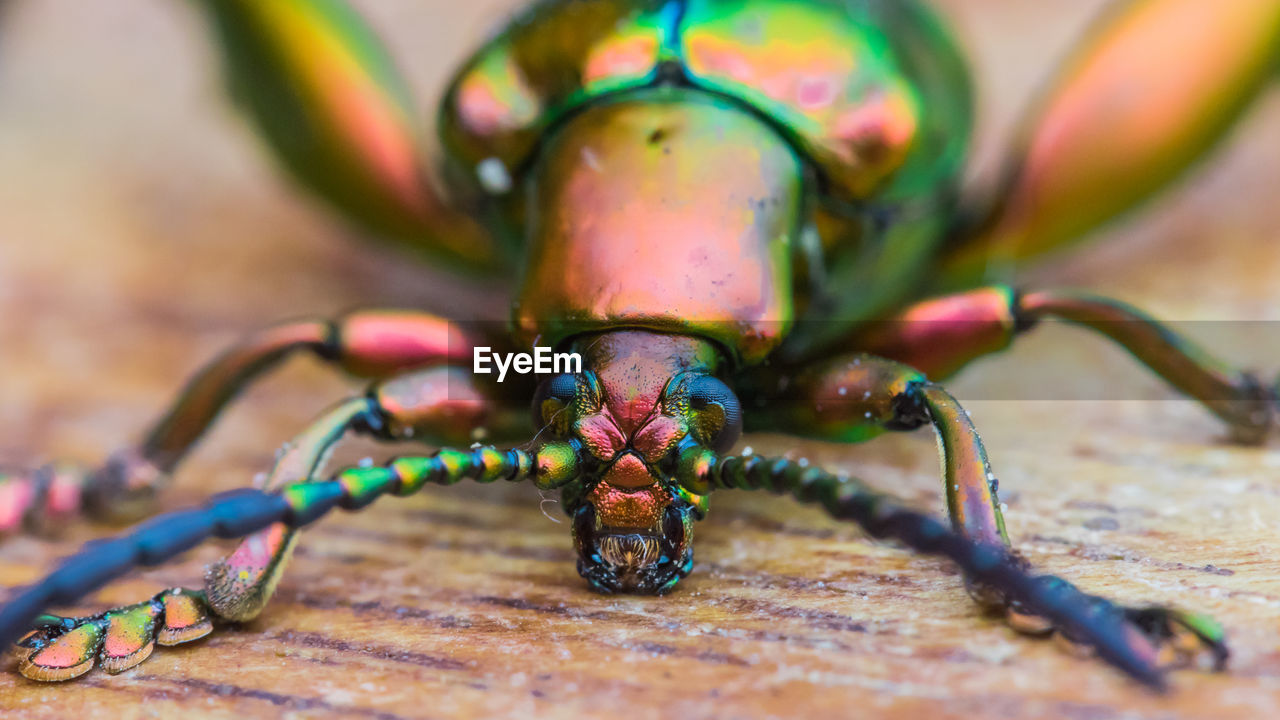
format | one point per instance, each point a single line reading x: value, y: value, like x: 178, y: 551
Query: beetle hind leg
x: 1126, y: 116
x: 328, y: 99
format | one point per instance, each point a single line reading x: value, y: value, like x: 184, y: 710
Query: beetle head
x: 617, y: 430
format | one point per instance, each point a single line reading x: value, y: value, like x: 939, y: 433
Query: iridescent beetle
x: 707, y: 199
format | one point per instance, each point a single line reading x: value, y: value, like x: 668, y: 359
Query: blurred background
x: 143, y: 228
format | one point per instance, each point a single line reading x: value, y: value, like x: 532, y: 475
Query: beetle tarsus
x: 1185, y: 640
x: 64, y: 648
x: 42, y: 500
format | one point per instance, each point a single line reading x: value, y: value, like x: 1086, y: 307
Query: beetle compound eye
x: 551, y: 400
x: 717, y: 412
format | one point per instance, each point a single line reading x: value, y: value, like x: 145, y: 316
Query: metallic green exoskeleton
x: 738, y: 213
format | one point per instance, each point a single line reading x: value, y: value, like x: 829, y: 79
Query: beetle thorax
x: 668, y: 210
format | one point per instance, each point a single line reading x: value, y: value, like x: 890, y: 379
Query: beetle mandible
x: 740, y: 213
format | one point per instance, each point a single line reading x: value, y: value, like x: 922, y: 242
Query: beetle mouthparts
x: 633, y: 560
x: 627, y: 553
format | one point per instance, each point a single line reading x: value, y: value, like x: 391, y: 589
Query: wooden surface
x: 140, y: 231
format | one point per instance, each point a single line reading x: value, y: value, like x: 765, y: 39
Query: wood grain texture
x: 140, y: 231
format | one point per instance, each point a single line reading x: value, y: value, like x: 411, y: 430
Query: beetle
x: 740, y: 214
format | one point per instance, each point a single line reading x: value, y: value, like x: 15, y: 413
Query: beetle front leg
x: 855, y: 397
x: 441, y: 405
x: 432, y: 404
x: 62, y: 648
x: 941, y: 335
x: 370, y: 343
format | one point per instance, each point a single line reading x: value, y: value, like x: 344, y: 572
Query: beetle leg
x: 60, y: 648
x: 371, y: 343
x: 1127, y: 114
x: 327, y: 97
x: 1237, y: 397
x: 433, y: 403
x: 855, y: 397
x: 941, y: 335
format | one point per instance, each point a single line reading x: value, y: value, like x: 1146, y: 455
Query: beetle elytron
x: 708, y: 200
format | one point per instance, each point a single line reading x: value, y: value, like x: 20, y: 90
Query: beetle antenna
x: 243, y: 512
x: 1082, y: 617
